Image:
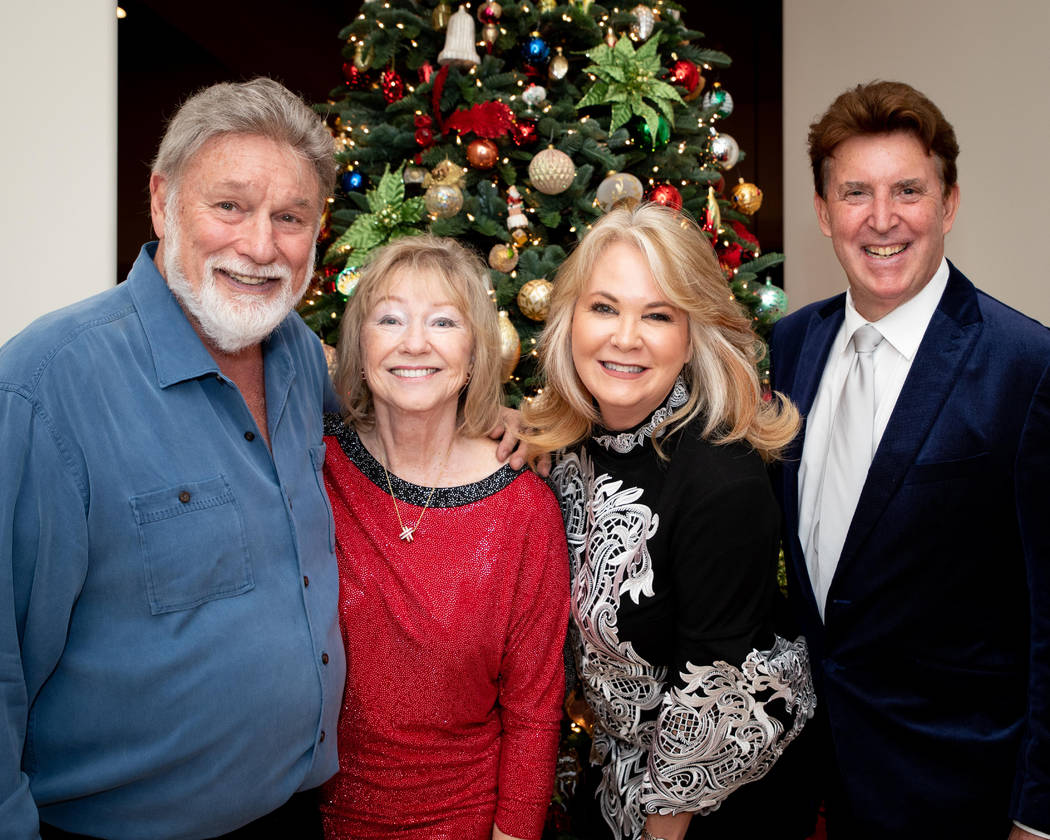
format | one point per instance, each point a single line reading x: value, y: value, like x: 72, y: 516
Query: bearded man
x: 170, y: 659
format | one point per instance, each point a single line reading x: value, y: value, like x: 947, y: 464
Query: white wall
x: 58, y: 95
x: 987, y: 66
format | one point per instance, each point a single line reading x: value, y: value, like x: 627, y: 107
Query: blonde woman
x: 654, y: 407
x: 453, y: 573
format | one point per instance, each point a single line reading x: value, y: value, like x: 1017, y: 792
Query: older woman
x: 673, y: 530
x: 453, y: 568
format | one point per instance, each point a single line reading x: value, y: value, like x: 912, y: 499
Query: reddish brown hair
x: 880, y: 108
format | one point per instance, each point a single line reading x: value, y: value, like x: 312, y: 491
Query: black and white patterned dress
x: 673, y: 587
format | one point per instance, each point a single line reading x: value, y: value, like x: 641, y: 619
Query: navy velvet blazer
x: 933, y: 663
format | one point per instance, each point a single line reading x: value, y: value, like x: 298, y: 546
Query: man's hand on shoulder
x: 510, y: 448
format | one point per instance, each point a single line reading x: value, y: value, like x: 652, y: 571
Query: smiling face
x: 237, y: 236
x: 417, y: 345
x: 887, y: 215
x: 629, y: 342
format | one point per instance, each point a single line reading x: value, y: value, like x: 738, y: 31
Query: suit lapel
x: 948, y: 341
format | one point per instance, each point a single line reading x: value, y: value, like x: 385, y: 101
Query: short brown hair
x: 720, y: 374
x: 465, y: 278
x: 880, y: 108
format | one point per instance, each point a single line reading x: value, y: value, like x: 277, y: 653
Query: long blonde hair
x: 721, y: 374
x: 465, y: 279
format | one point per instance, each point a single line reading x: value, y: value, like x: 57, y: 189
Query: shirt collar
x: 904, y: 326
x: 178, y: 353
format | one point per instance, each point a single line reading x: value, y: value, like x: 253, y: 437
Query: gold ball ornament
x: 747, y: 197
x: 509, y: 345
x: 503, y: 257
x: 443, y: 200
x: 552, y: 171
x: 617, y: 187
x: 534, y: 299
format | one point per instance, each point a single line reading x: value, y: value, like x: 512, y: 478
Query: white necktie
x: 849, y: 456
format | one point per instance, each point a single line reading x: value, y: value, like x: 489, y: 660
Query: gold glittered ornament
x: 747, y: 197
x: 534, y: 299
x: 617, y: 187
x: 440, y: 16
x: 551, y: 171
x: 503, y: 257
x: 509, y: 345
x: 558, y: 67
x: 443, y: 200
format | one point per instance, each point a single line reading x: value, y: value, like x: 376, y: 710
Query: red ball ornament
x: 355, y: 79
x: 686, y: 74
x: 482, y: 153
x: 666, y: 195
x: 392, y: 85
x: 424, y: 137
x: 524, y: 133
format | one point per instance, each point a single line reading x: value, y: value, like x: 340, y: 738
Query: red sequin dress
x: 454, y: 652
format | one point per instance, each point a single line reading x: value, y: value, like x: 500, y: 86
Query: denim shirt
x: 170, y: 658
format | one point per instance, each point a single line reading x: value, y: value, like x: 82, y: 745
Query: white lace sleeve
x: 718, y: 731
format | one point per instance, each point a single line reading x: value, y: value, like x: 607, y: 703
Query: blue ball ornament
x: 351, y: 181
x: 536, y: 50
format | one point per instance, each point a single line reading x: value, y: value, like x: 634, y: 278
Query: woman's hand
x: 670, y: 827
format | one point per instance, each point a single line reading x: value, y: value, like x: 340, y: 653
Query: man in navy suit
x: 922, y: 582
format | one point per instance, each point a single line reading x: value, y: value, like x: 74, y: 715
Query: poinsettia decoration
x: 391, y: 218
x: 486, y: 119
x: 628, y: 80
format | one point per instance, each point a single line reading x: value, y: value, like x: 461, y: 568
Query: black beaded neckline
x: 405, y: 491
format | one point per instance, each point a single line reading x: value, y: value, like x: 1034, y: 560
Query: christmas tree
x: 512, y: 128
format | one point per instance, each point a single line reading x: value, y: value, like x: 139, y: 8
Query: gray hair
x: 260, y: 107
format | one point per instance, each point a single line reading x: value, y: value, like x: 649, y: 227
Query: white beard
x: 230, y: 319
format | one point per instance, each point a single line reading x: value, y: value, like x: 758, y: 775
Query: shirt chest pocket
x: 193, y: 544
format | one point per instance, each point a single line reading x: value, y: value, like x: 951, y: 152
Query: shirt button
x: 306, y: 580
x: 324, y: 658
x: 321, y: 739
x: 184, y: 496
x: 249, y: 436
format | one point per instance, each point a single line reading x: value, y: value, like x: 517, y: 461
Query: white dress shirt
x: 902, y: 331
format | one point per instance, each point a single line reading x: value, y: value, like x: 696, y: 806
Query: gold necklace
x: 407, y: 531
